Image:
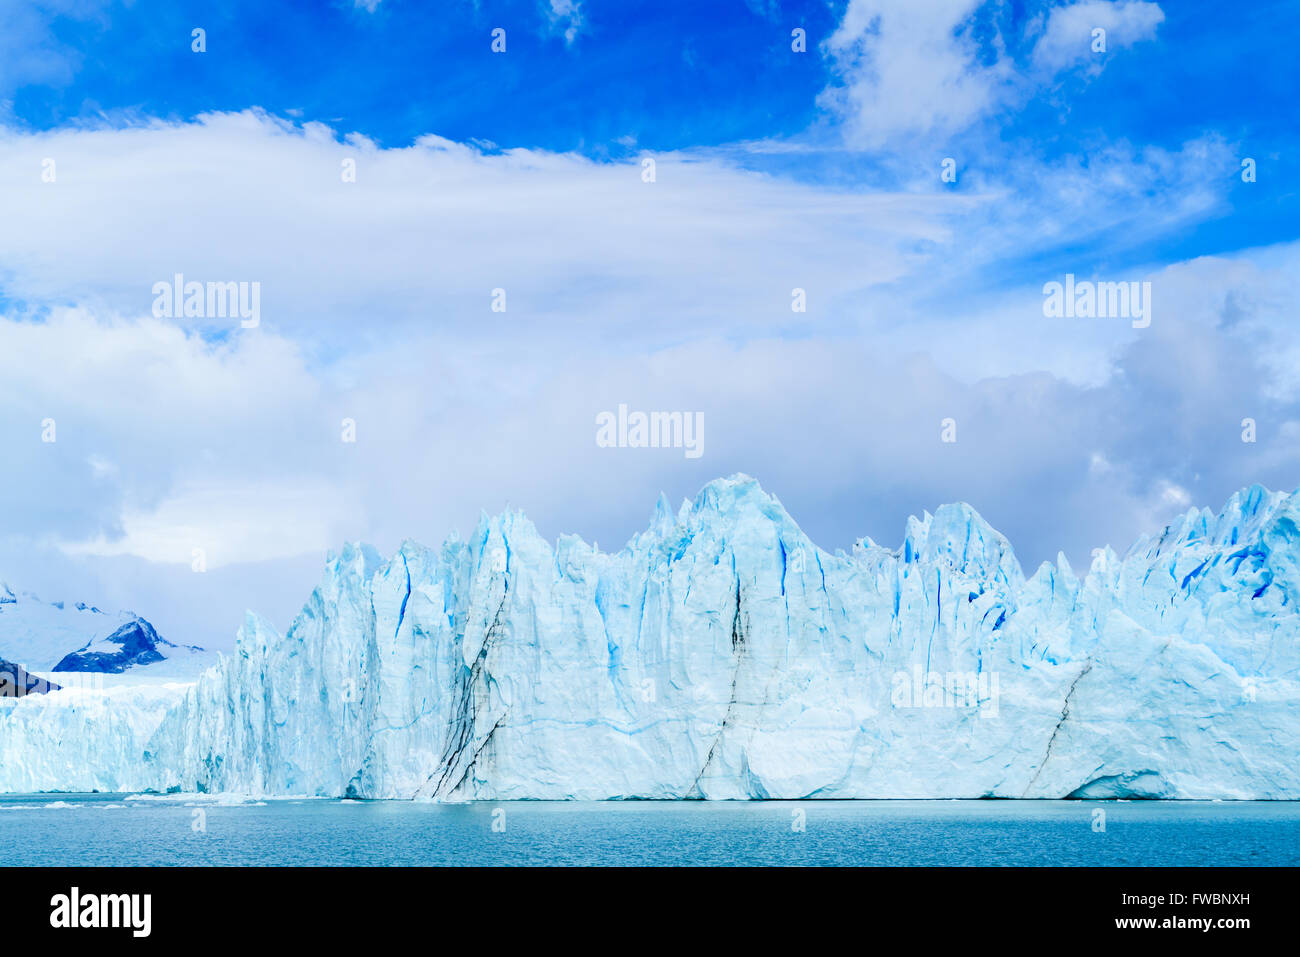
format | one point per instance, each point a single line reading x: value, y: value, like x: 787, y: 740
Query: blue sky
x: 671, y: 75
x: 522, y: 170
x: 665, y: 76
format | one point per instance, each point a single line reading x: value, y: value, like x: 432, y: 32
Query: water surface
x: 129, y: 830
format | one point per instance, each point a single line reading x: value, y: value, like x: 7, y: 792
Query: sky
x: 920, y: 170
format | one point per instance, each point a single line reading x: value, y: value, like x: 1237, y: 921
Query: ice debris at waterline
x: 721, y: 655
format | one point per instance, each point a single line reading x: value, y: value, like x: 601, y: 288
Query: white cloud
x: 584, y: 249
x: 565, y: 17
x: 235, y: 447
x: 909, y: 71
x: 139, y: 408
x: 227, y: 523
x: 1172, y: 494
x: 1068, y: 39
x: 587, y: 252
x: 672, y: 295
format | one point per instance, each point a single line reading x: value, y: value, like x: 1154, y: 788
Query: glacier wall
x: 88, y: 736
x: 721, y: 655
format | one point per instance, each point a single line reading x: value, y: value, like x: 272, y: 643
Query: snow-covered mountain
x: 60, y: 637
x: 722, y: 655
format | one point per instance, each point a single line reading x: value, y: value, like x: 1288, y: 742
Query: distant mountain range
x: 44, y: 637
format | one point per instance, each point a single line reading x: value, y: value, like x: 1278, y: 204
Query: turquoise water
x: 119, y: 830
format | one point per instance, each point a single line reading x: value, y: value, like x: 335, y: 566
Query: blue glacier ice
x: 722, y: 655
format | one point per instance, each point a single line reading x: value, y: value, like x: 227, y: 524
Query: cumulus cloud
x: 1068, y: 37
x: 911, y: 69
x: 908, y: 71
x: 225, y: 524
x: 676, y: 294
x: 168, y: 441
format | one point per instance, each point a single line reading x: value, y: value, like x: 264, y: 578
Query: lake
x: 104, y: 829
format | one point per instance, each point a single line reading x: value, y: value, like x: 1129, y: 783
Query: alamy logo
x: 133, y: 911
x: 1098, y: 300
x: 179, y: 299
x: 651, y: 430
x: 951, y: 689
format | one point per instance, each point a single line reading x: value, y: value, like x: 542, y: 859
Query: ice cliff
x: 722, y: 655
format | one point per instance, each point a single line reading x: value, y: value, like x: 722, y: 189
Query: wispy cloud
x: 672, y: 294
x: 30, y: 51
x: 565, y: 17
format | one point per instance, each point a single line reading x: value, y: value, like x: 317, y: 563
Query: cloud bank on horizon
x: 823, y: 233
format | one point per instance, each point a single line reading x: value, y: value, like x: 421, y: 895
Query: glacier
x: 722, y: 655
